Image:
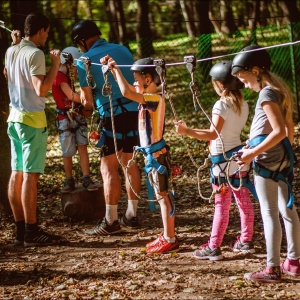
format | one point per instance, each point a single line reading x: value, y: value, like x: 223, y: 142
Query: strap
x: 119, y: 102
x: 286, y: 175
x: 218, y: 159
x: 152, y: 148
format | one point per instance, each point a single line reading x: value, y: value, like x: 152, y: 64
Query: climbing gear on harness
x: 286, y: 174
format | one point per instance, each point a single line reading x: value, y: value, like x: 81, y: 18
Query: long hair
x: 276, y: 83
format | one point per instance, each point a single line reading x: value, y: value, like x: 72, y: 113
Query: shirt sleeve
x: 220, y: 109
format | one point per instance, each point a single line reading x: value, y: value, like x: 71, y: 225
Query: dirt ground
x: 117, y: 267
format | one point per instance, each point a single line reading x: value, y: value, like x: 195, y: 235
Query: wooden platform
x: 84, y: 205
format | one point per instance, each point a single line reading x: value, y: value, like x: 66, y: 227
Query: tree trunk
x: 123, y: 38
x: 187, y: 12
x: 254, y: 17
x: 144, y: 33
x: 290, y: 10
x: 228, y: 26
x: 5, y: 156
x: 264, y: 13
x: 177, y: 18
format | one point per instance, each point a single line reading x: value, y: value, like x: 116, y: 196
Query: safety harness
x: 153, y: 163
x: 234, y: 181
x: 286, y: 175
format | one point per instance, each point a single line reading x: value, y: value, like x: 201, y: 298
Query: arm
x: 201, y: 134
x: 42, y: 84
x: 68, y: 92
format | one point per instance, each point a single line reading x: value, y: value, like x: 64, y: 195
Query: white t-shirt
x: 230, y: 133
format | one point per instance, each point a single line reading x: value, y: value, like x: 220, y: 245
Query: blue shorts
x: 28, y: 147
x: 72, y: 134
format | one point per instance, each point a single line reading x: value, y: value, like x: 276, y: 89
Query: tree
x: 144, y: 32
x: 227, y: 26
x: 4, y: 111
x: 187, y: 11
x: 254, y: 16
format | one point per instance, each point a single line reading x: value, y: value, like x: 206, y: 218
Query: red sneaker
x: 162, y: 246
x: 152, y: 243
x: 267, y: 275
x: 290, y: 267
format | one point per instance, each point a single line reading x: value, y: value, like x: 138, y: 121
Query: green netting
x: 285, y: 60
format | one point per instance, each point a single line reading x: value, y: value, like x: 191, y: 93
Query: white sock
x: 111, y: 213
x: 131, y: 209
x: 170, y: 240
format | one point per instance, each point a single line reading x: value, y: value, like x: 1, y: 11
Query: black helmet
x: 140, y: 66
x: 83, y: 30
x: 248, y: 60
x: 222, y: 72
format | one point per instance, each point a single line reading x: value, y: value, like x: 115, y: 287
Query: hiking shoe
x: 69, y: 186
x: 267, y: 275
x: 290, y: 267
x: 204, y: 252
x: 244, y: 247
x: 150, y: 244
x: 41, y: 238
x: 131, y: 223
x: 161, y: 245
x: 89, y: 184
x: 102, y: 228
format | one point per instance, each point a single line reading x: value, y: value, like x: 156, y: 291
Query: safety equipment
x: 222, y: 72
x: 248, y: 60
x: 141, y: 66
x: 75, y: 52
x: 84, y: 30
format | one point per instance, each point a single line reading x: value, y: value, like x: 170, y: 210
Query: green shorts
x: 28, y: 147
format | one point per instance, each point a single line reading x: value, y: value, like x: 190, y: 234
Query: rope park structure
x: 160, y: 66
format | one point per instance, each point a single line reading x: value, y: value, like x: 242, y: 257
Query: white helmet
x: 75, y: 52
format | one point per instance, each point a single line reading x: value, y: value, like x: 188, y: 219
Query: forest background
x: 209, y: 30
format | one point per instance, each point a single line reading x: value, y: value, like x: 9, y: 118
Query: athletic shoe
x: 89, y: 184
x: 244, y: 247
x: 69, y: 186
x: 131, y: 223
x: 205, y: 252
x: 41, y: 238
x: 102, y: 228
x: 161, y: 245
x: 150, y: 244
x: 267, y: 275
x: 290, y: 267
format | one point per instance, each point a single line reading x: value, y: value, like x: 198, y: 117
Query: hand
x: 55, y: 56
x: 244, y: 157
x: 104, y: 60
x: 16, y: 37
x: 181, y: 127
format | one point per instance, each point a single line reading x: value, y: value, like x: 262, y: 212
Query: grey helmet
x: 84, y: 30
x: 248, y: 60
x: 75, y: 52
x: 222, y: 72
x: 141, y: 66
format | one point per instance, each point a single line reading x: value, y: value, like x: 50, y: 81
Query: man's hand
x: 16, y: 37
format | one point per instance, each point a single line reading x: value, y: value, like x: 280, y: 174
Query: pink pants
x: 221, y: 215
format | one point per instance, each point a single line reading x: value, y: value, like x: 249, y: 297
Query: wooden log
x: 84, y: 205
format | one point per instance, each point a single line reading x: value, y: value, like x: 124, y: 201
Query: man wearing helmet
x: 86, y: 35
x: 71, y: 123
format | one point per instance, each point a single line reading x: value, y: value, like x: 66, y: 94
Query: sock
x: 170, y: 240
x: 31, y: 229
x: 111, y: 213
x: 86, y: 176
x: 20, y: 232
x: 131, y: 209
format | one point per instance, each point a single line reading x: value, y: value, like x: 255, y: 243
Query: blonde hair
x: 233, y: 99
x: 276, y: 83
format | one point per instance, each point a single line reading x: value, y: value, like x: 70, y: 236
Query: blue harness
x: 286, y: 175
x: 153, y: 163
x: 246, y: 182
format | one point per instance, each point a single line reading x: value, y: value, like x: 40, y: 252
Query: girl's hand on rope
x: 244, y: 157
x: 180, y: 127
x: 104, y: 60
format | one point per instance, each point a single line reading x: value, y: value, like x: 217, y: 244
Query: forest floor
x: 117, y: 267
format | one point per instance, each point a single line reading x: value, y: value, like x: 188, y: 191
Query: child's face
x: 139, y: 82
x: 250, y: 79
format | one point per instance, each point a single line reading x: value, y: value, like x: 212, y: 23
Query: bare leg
x: 14, y: 195
x: 68, y: 166
x: 168, y: 220
x: 84, y: 159
x: 29, y: 197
